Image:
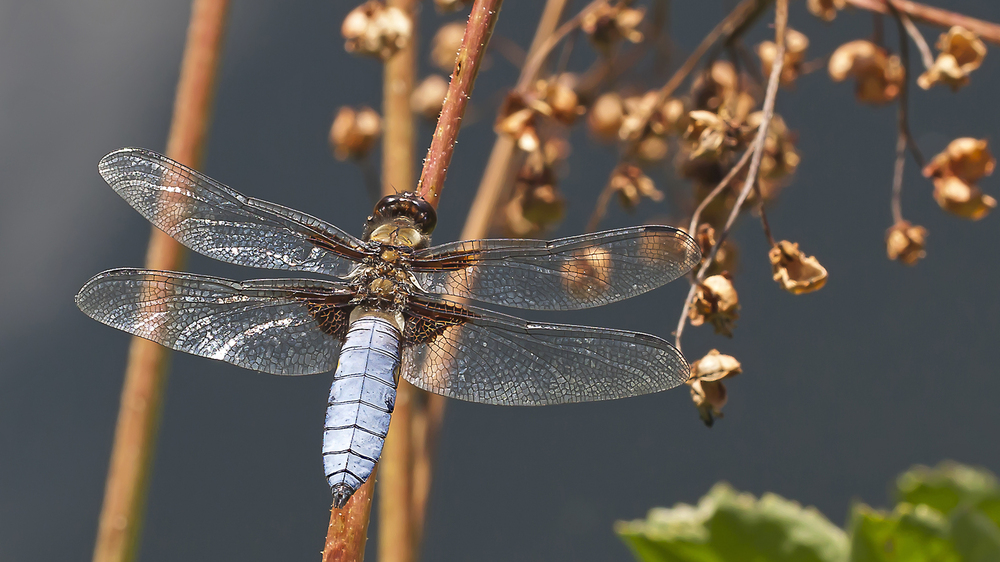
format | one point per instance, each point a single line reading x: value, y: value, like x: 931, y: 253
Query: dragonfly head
x: 402, y: 219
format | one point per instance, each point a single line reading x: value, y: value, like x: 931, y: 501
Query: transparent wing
x: 476, y: 355
x: 565, y: 274
x: 216, y: 221
x: 278, y: 326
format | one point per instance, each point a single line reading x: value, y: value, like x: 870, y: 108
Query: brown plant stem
x: 477, y: 35
x: 395, y: 523
x: 348, y: 530
x: 934, y: 16
x: 918, y: 38
x: 477, y: 224
x: 145, y: 375
x: 504, y: 159
x: 904, y: 137
x: 757, y: 151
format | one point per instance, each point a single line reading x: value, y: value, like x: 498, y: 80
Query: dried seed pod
x: 631, y: 185
x: 707, y: 390
x: 605, y: 116
x: 905, y: 242
x: 354, y: 132
x: 961, y: 52
x: 716, y: 302
x: 796, y: 44
x: 966, y: 158
x: 796, y: 272
x: 377, y: 30
x: 445, y: 45
x: 878, y: 75
x: 715, y: 87
x: 605, y: 25
x: 562, y: 101
x: 962, y: 199
x: 826, y: 9
x: 707, y: 134
x: 725, y: 257
x: 518, y: 120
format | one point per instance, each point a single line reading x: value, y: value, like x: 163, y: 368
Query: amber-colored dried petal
x: 715, y: 301
x: 709, y: 398
x: 962, y: 199
x: 707, y: 390
x: 563, y: 101
x: 965, y: 46
x: 795, y: 48
x: 631, y: 185
x: 796, y: 272
x: 966, y: 158
x: 905, y: 242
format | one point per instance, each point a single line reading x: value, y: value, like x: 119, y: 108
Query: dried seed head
x: 445, y: 45
x: 562, y: 101
x: 451, y: 5
x: 779, y: 159
x: 518, y: 120
x: 605, y: 116
x: 606, y: 25
x: 354, y: 132
x: 652, y: 149
x: 966, y: 158
x: 725, y: 257
x: 428, y: 97
x: 878, y: 75
x: 796, y: 272
x: 707, y: 390
x: 631, y: 185
x: 716, y: 302
x: 707, y: 134
x: 796, y: 44
x: 962, y: 199
x: 377, y: 30
x: 715, y: 87
x: 961, y: 52
x: 826, y: 9
x: 905, y: 242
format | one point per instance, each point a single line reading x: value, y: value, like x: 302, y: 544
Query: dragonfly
x: 389, y: 305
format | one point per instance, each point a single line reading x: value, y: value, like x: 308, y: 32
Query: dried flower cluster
x: 962, y: 51
x: 796, y: 272
x: 879, y: 75
x: 716, y: 302
x: 795, y: 53
x: 955, y: 172
x: 905, y: 242
x: 707, y: 390
x: 376, y: 30
x: 825, y: 9
x: 428, y: 96
x: 606, y: 25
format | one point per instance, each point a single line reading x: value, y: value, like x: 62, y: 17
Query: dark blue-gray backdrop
x: 885, y: 367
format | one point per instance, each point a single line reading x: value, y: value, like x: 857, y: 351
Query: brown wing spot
x: 451, y: 261
x: 332, y: 319
x: 426, y: 320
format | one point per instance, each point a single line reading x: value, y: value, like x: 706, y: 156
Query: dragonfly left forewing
x: 278, y: 326
x: 476, y: 355
x: 217, y: 221
x: 565, y: 274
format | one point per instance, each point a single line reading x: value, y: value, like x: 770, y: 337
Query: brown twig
x: 934, y: 16
x: 477, y: 35
x: 717, y: 190
x: 734, y: 21
x: 145, y: 374
x: 757, y: 151
x: 348, y: 530
x: 918, y: 38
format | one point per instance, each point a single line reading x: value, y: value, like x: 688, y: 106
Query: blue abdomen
x: 360, y: 405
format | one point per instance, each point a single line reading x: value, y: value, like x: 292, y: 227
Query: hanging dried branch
x: 934, y: 16
x: 145, y: 374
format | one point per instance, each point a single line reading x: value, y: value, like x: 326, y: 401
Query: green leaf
x: 908, y: 534
x: 976, y: 536
x: 727, y: 526
x: 946, y: 486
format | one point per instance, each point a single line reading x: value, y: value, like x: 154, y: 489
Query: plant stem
x: 757, y: 151
x: 145, y: 375
x: 348, y: 531
x: 934, y: 16
x: 470, y: 55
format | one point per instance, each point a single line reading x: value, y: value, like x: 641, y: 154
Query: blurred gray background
x: 843, y: 389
